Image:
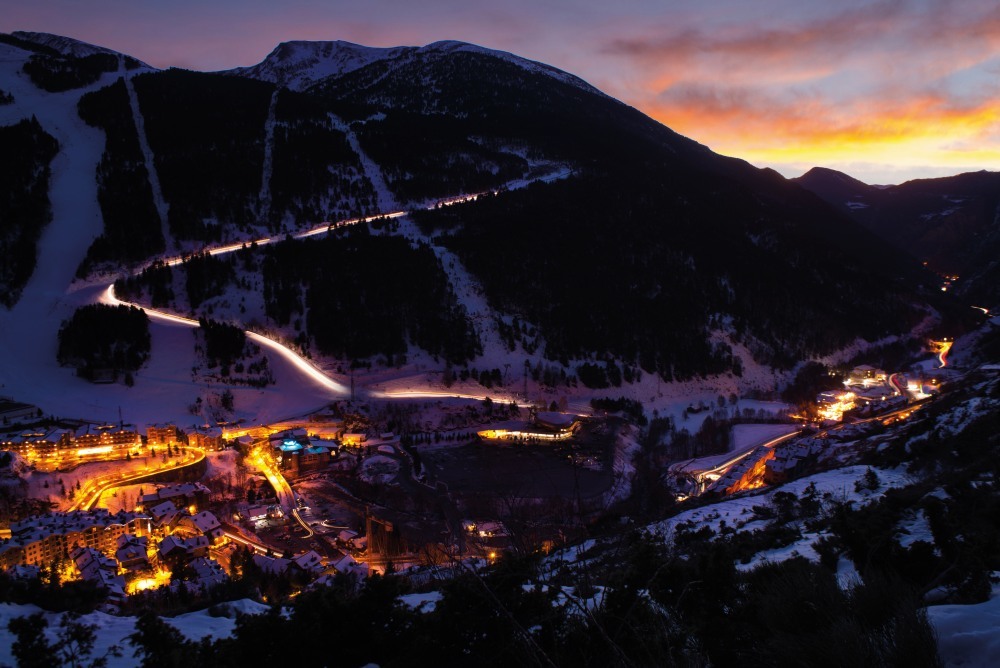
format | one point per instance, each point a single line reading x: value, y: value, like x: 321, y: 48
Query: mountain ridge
x: 696, y: 251
x: 300, y: 64
x: 69, y: 46
x: 951, y: 223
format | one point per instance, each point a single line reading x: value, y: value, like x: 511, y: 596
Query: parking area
x: 536, y: 471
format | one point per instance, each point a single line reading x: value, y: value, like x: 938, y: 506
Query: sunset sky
x: 886, y: 91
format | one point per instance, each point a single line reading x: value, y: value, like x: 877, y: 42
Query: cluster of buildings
x: 182, y: 495
x: 867, y: 390
x: 126, y: 551
x: 49, y: 447
x: 45, y: 539
x: 793, y: 460
x: 205, y: 437
x: 298, y: 450
x: 296, y: 453
x: 42, y: 447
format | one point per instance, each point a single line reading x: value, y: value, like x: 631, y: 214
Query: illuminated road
x: 256, y: 546
x: 300, y: 363
x: 89, y: 497
x: 899, y: 385
x: 304, y: 366
x: 943, y: 353
x: 722, y: 468
x: 286, y: 497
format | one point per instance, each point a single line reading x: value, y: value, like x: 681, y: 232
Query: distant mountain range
x: 951, y: 223
x: 648, y: 250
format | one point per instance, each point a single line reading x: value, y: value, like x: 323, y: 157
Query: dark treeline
x: 666, y: 607
x: 100, y: 337
x: 644, y: 265
x: 432, y: 156
x: 367, y: 295
x: 56, y: 73
x: 224, y: 343
x: 315, y: 176
x: 5, y: 97
x: 608, y: 374
x: 157, y: 280
x: 28, y: 45
x: 352, y: 295
x: 207, y: 133
x: 472, y: 129
x: 132, y: 229
x: 206, y: 276
x: 24, y: 202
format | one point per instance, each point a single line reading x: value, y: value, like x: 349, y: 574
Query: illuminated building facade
x: 161, y: 434
x: 41, y: 540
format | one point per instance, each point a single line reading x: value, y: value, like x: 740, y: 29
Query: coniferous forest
x: 24, y: 202
x: 132, y: 229
x: 100, y: 338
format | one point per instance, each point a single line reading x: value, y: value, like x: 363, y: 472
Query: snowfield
x: 738, y: 512
x: 968, y: 635
x: 112, y: 630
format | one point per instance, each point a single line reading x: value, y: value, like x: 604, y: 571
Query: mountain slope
x: 839, y: 189
x: 654, y: 253
x: 300, y: 64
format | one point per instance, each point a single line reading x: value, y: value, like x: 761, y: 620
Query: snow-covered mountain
x: 300, y: 64
x: 639, y: 252
x: 66, y: 46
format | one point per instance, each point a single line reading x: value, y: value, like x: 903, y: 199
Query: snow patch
x: 967, y: 634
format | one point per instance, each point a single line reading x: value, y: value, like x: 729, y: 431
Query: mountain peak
x: 826, y: 174
x: 300, y: 64
x: 67, y: 46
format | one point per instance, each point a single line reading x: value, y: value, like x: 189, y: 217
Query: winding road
x: 309, y: 370
x: 89, y: 497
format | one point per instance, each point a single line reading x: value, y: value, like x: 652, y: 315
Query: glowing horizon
x: 885, y: 90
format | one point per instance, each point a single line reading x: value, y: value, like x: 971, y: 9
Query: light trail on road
x: 943, y: 353
x: 300, y: 363
x: 438, y: 394
x: 725, y: 466
x: 88, y: 499
x: 259, y: 547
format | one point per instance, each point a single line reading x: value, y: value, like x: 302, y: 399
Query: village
x: 356, y: 489
x: 870, y: 399
x: 335, y: 492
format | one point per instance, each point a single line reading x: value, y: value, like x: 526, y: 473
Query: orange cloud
x: 893, y: 83
x: 926, y: 129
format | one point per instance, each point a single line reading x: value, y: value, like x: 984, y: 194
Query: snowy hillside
x: 301, y: 64
x: 64, y: 45
x: 630, y: 305
x: 114, y: 630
